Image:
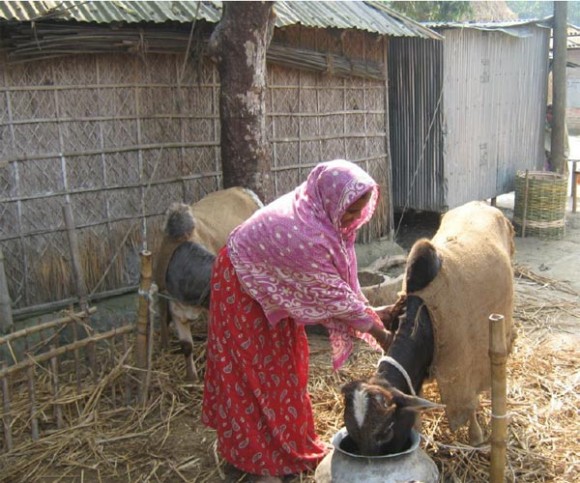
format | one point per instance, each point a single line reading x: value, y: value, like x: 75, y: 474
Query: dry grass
x: 108, y: 441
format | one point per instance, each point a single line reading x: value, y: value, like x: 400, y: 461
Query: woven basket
x: 540, y: 204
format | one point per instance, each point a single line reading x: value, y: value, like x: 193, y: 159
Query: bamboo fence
x: 41, y: 367
x: 38, y: 354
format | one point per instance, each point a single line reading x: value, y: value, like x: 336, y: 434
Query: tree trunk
x: 238, y: 45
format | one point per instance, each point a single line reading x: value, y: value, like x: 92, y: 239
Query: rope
x: 503, y: 416
x: 401, y: 369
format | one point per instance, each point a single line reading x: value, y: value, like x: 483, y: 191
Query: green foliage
x: 434, y: 11
x: 528, y: 10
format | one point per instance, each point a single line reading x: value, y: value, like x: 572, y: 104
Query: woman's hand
x: 385, y: 313
x: 382, y: 336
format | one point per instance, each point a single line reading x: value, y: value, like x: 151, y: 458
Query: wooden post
x: 77, y: 355
x: 127, y: 376
x: 525, y: 214
x: 142, y: 321
x: 559, y: 131
x: 55, y: 392
x: 79, y: 279
x: 573, y: 190
x: 6, y: 419
x: 81, y: 287
x: 163, y: 309
x: 32, y: 397
x: 498, y: 357
x: 6, y: 322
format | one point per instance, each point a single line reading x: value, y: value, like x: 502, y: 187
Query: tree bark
x: 238, y: 45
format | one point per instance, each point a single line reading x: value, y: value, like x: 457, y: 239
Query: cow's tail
x: 179, y: 222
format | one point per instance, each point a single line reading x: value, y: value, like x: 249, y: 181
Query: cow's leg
x: 186, y: 342
x: 475, y: 432
x: 180, y: 316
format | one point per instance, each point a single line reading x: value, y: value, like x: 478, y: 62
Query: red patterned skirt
x: 255, y: 388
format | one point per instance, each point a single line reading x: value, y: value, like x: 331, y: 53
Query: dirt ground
x: 166, y: 442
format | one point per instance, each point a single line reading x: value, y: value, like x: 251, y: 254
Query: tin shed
x: 466, y: 113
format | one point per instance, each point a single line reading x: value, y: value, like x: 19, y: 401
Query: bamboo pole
x: 39, y: 309
x: 55, y: 392
x: 163, y: 307
x: 142, y: 321
x: 127, y: 387
x: 573, y: 188
x: 498, y: 357
x: 6, y: 322
x: 77, y: 356
x: 79, y: 279
x: 64, y: 349
x: 147, y: 381
x: 525, y: 214
x: 6, y: 418
x: 32, y: 396
x: 47, y: 325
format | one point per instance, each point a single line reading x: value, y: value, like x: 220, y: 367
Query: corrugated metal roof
x: 110, y: 11
x: 370, y: 16
x: 516, y: 28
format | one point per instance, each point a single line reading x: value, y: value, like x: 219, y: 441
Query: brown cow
x: 453, y: 283
x: 192, y: 237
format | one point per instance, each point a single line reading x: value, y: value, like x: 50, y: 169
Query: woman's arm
x: 383, y: 336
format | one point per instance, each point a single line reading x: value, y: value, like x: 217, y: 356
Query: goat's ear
x: 414, y: 403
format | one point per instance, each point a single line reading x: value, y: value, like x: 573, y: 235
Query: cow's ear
x: 414, y: 403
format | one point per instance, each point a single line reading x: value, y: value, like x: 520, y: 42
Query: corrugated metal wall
x: 466, y: 114
x: 495, y: 95
x: 415, y: 97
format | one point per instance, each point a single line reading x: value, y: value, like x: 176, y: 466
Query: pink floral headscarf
x: 296, y: 260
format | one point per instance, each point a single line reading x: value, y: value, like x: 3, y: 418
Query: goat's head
x: 378, y: 417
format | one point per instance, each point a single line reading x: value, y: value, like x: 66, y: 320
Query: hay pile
x: 164, y: 441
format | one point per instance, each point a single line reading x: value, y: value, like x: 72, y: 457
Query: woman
x: 291, y: 264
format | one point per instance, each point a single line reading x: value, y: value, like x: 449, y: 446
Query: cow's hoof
x: 475, y: 432
x: 191, y: 373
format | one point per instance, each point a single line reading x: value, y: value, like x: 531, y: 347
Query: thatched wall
x: 122, y: 136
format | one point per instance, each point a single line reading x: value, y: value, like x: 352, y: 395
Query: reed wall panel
x: 123, y: 136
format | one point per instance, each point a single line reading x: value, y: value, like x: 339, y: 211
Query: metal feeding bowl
x: 343, y: 442
x: 344, y: 464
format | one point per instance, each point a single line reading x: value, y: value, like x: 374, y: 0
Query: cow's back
x: 475, y: 244
x: 217, y: 214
